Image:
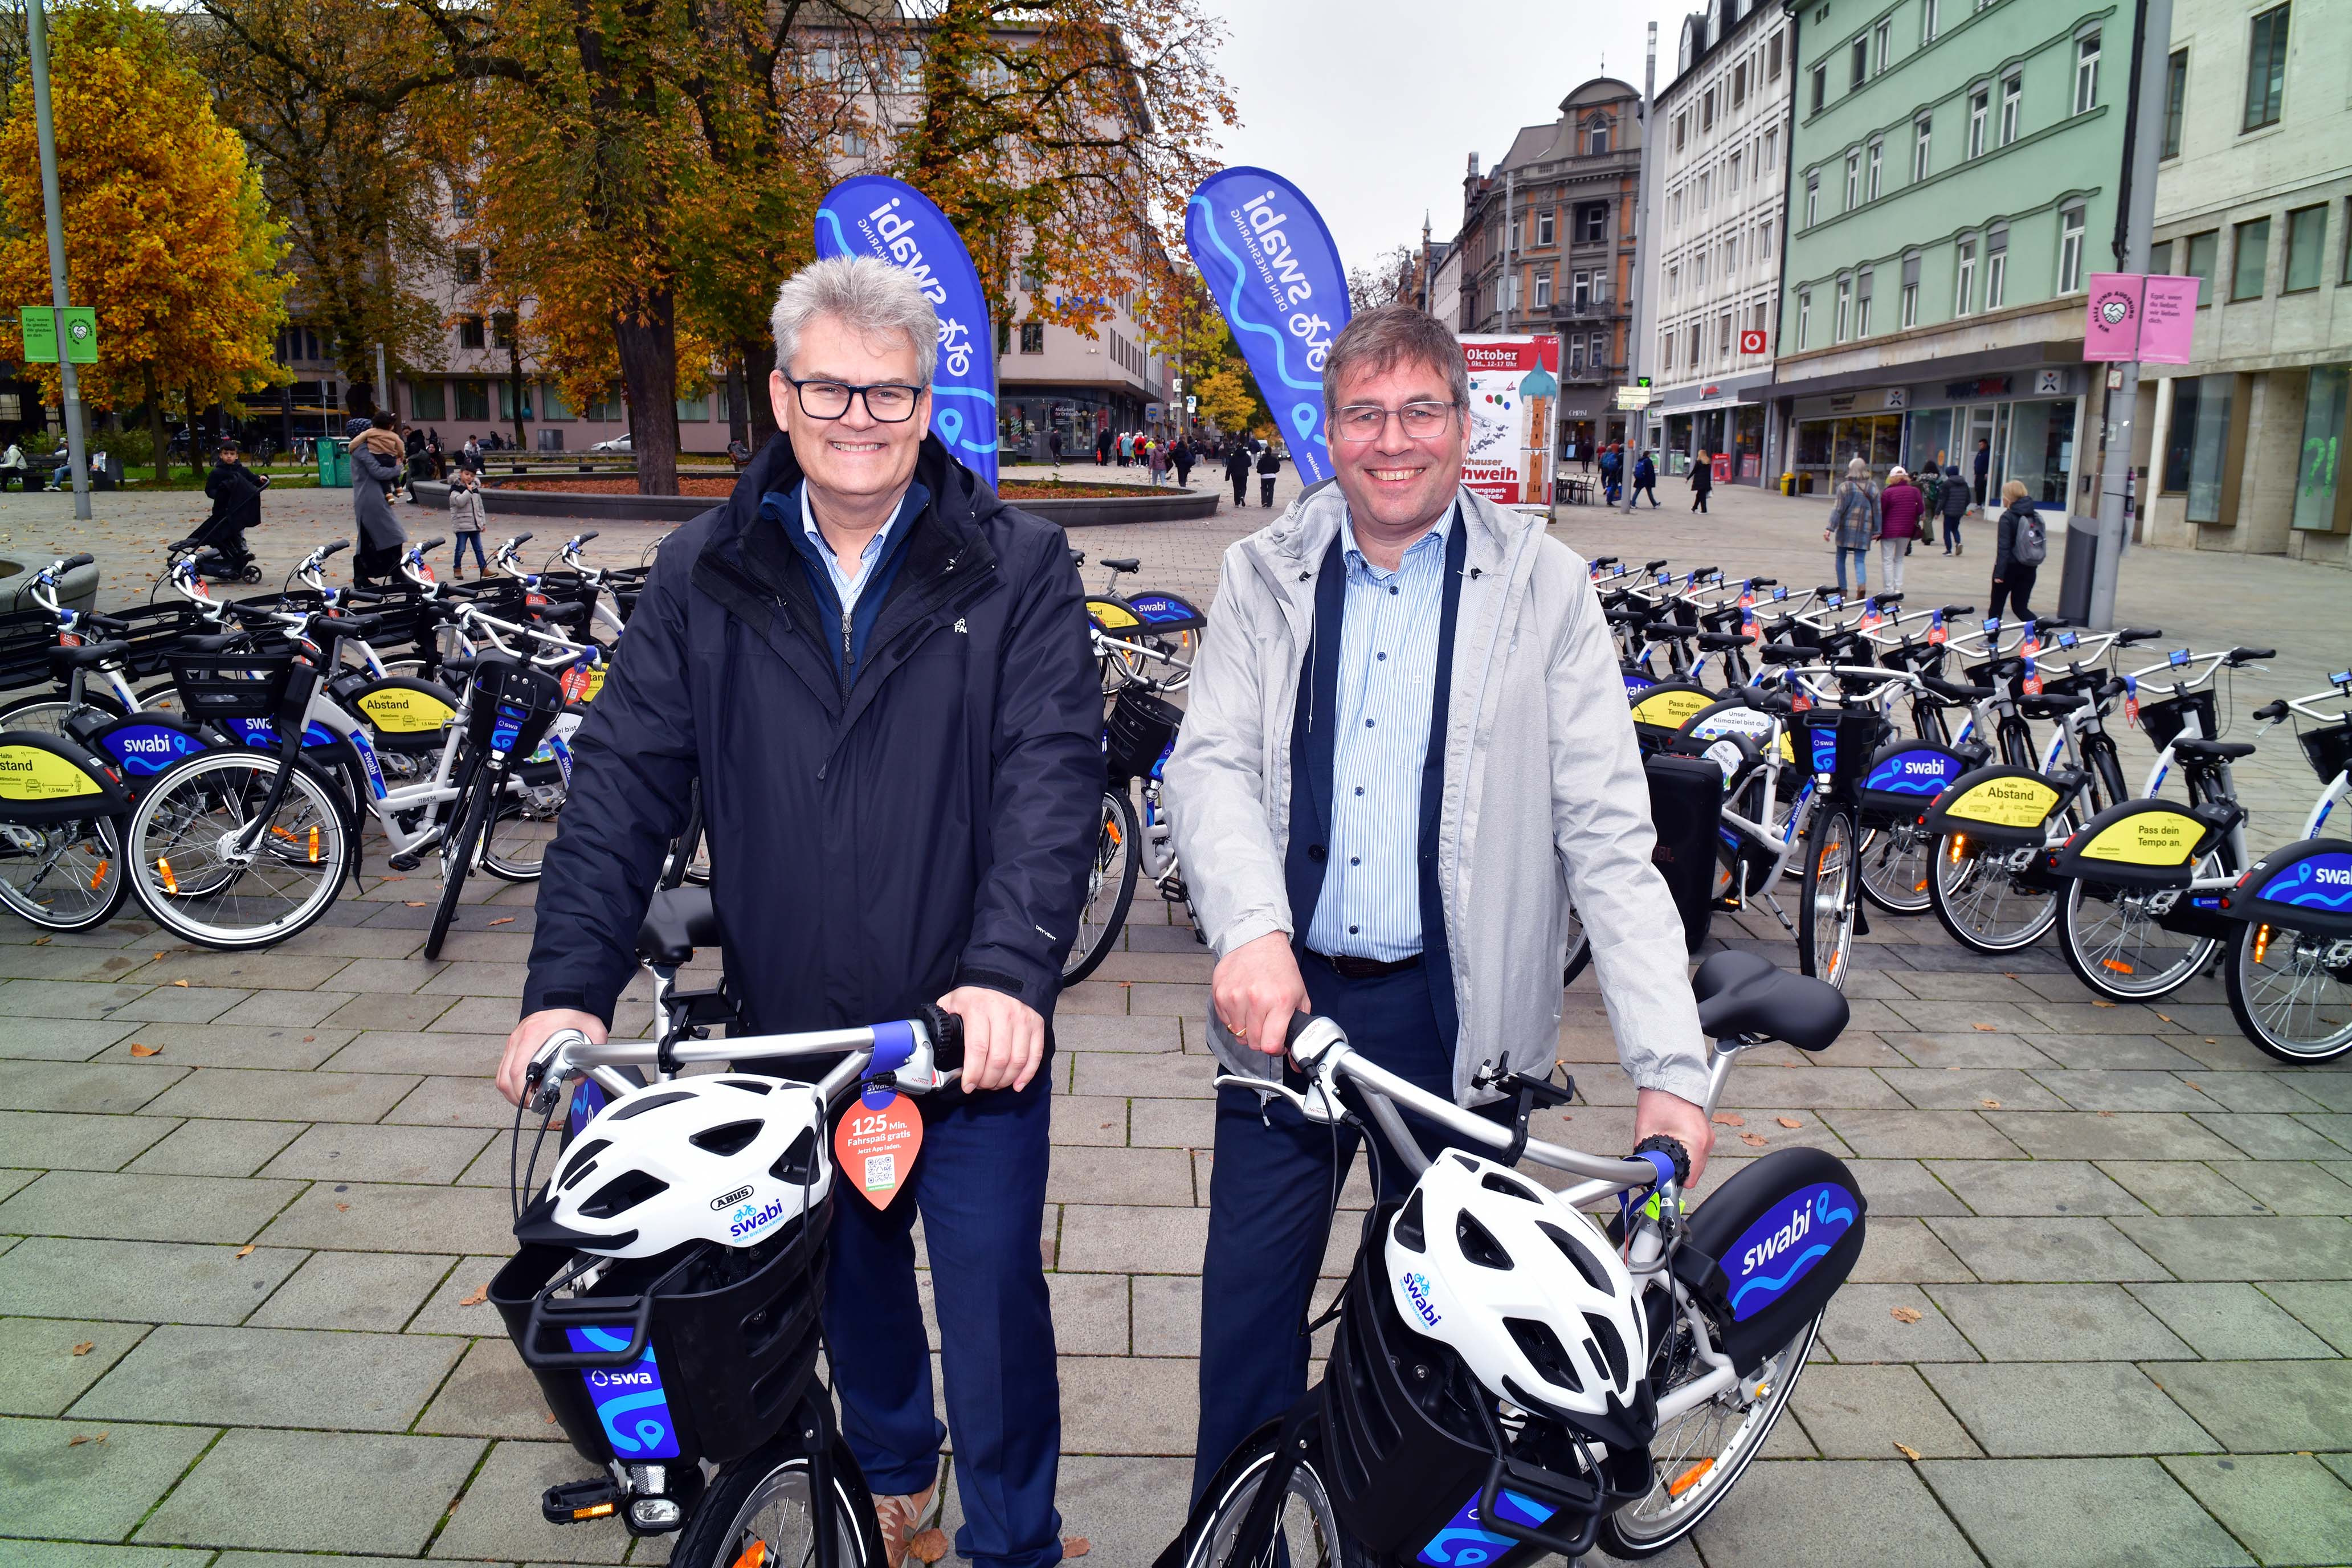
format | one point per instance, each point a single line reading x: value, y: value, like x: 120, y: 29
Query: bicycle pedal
x: 403, y: 862
x: 577, y: 1502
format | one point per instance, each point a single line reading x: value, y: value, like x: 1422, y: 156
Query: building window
x: 2266, y: 69
x: 1665, y: 349
x: 1844, y: 310
x: 470, y: 334
x: 2329, y: 391
x: 1812, y: 200
x: 2307, y: 241
x: 1821, y: 86
x: 1862, y: 305
x: 1576, y: 356
x: 1910, y: 302
x: 468, y: 269
x: 473, y: 399
x: 1698, y: 270
x: 2086, y: 75
x: 1771, y: 151
x: 1580, y: 288
x: 1682, y: 129
x: 507, y: 404
x: 1600, y: 350
x: 2204, y: 249
x: 2176, y: 96
x: 1804, y: 315
x: 426, y: 401
x: 1032, y: 338
x: 1922, y: 137
x: 1514, y: 291
x: 1740, y: 84
x: 1927, y: 19
x: 1733, y: 181
x: 1543, y: 289
x: 1966, y: 272
x: 551, y: 402
x: 1592, y: 222
x: 1763, y: 242
x: 2070, y: 249
x: 1516, y: 243
x: 1730, y: 258
x: 1596, y: 138
x: 1674, y: 282
x: 2196, y: 444
x: 1543, y: 228
x: 1860, y: 62
x: 2012, y: 99
x: 1876, y: 153
x: 1706, y: 190
x: 1772, y: 59
x: 2250, y: 254
x: 1695, y: 336
x: 1997, y: 267
x: 1979, y: 103
x: 1882, y: 41
x: 1852, y: 179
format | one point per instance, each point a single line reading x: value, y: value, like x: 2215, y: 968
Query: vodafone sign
x: 1751, y: 343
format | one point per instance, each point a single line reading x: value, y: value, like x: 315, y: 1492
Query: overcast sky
x: 1372, y: 107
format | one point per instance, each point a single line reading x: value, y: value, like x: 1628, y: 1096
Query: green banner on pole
x: 41, y: 334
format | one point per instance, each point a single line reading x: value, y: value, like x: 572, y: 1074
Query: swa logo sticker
x: 1781, y: 1247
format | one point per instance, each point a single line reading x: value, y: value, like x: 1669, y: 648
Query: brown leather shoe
x: 903, y: 1518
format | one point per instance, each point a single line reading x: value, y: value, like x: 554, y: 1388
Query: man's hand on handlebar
x: 1003, y: 1038
x: 1257, y: 989
x: 1657, y: 1112
x: 533, y: 1033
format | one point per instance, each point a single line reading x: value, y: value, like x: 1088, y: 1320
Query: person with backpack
x: 1269, y: 464
x: 1954, y: 501
x: 1645, y: 477
x: 1610, y: 464
x: 2022, y: 544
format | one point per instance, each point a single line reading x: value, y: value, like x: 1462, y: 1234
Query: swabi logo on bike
x: 629, y: 1399
x: 1416, y: 1286
x: 1782, y: 1246
x: 1466, y: 1543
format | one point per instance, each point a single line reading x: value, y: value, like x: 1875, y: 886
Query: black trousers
x: 1698, y: 500
x: 1266, y: 489
x: 2014, y: 584
x: 1241, y: 490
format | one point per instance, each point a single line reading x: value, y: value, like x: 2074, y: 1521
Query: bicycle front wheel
x: 763, y: 1509
x: 525, y: 825
x: 2120, y: 949
x: 1111, y: 889
x: 1306, y: 1530
x: 62, y: 875
x: 2292, y: 992
x: 1827, y: 896
x: 1895, y: 868
x: 457, y: 853
x: 213, y: 869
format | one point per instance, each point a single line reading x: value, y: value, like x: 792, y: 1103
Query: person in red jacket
x: 1900, y: 507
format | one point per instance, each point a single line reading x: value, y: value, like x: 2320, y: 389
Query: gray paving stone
x: 88, y: 1554
x: 2098, y: 1513
x: 1112, y: 1404
x: 2264, y: 1406
x: 285, y: 1009
x: 1103, y: 1239
x: 1152, y: 1077
x: 174, y: 1005
x: 284, y: 1096
x: 444, y: 1312
x: 2117, y: 1052
x: 271, y: 969
x: 58, y: 1140
x: 2016, y: 1188
x: 361, y: 1291
x: 2111, y: 1135
x: 1863, y: 1412
x: 477, y: 980
x: 2272, y: 1137
x: 363, y: 1154
x: 2282, y: 1247
x: 1920, y: 1134
x: 2326, y: 1308
x: 491, y: 1394
x: 1167, y: 1314
x: 2290, y: 1186
x: 60, y: 1039
x: 1897, y: 1188
x: 91, y: 1489
x: 2031, y: 1250
x: 84, y: 1086
x: 1127, y: 1509
x: 381, y: 1010
x: 2253, y: 1091
x: 2124, y: 1090
x: 2288, y: 1508
x: 1830, y: 1514
x: 212, y: 1148
x: 488, y: 1014
x: 2179, y: 1187
x: 2232, y: 1321
x: 1860, y: 1326
x: 278, y: 1489
x: 69, y: 998
x: 419, y: 1051
x: 2056, y: 1323
x: 1096, y: 1032
x: 454, y: 1102
x: 387, y: 977
x: 145, y: 1208
x: 1937, y: 1051
x: 1120, y: 1176
x: 273, y: 1377
x: 2337, y: 1126
x: 356, y: 1217
x: 138, y: 1281
x: 40, y: 1371
x: 2080, y: 1408
x: 1090, y: 1313
x: 1971, y: 1088
x: 1795, y: 1089
x: 1906, y: 1250
x: 1093, y: 1120
x: 499, y: 1516
x: 280, y: 1048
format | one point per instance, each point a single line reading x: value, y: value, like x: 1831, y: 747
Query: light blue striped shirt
x: 844, y: 585
x: 1371, y: 902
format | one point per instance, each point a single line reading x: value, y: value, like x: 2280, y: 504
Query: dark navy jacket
x: 930, y: 825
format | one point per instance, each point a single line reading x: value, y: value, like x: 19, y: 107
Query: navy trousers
x: 1270, y: 1195
x: 980, y: 1185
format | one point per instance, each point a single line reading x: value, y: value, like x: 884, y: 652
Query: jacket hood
x: 958, y: 495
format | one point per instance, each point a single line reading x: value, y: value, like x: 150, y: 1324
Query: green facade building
x: 1956, y: 170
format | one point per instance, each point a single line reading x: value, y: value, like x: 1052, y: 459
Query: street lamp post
x: 37, y: 41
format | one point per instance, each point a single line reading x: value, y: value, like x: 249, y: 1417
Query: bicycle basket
x: 724, y: 1340
x: 514, y: 704
x: 1137, y: 732
x: 231, y: 686
x: 152, y: 631
x: 2165, y: 722
x: 26, y: 638
x: 2329, y: 749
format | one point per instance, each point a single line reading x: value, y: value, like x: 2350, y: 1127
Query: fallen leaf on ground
x: 1904, y: 1314
x: 396, y: 879
x: 414, y: 904
x: 503, y: 921
x: 1907, y: 1451
x: 2165, y: 1016
x: 1729, y: 1118
x: 158, y: 955
x: 550, y: 1418
x: 480, y: 1295
x: 181, y: 983
x: 1984, y: 1028
x: 138, y: 1050
x: 1075, y: 1546
x: 1990, y: 1104
x: 85, y: 1437
x: 2211, y: 1041
x: 928, y: 1547
x: 1754, y: 1140
x: 308, y: 1039
x: 85, y: 1347
x: 343, y: 1208
x: 2106, y: 1113
x: 2096, y: 1003
x: 40, y: 942
x: 1788, y: 1121
x: 245, y: 1251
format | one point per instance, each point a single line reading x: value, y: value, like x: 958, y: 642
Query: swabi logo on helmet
x: 1417, y: 1287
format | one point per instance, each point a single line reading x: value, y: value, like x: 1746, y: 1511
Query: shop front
x: 2026, y: 423
x: 1580, y: 429
x: 1707, y: 419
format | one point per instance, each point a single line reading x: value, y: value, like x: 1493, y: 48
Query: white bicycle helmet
x: 730, y: 1160
x: 1519, y: 1285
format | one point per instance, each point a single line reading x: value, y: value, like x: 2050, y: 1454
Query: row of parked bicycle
x: 217, y: 759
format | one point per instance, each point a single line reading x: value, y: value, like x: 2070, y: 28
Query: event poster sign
x: 1514, y: 408
x: 1269, y: 263
x: 2148, y: 317
x: 2167, y: 320
x: 872, y: 215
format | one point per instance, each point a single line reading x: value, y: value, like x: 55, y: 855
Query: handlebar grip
x: 70, y: 561
x: 435, y: 542
x: 584, y: 537
x: 106, y: 623
x: 2247, y: 655
x: 2272, y: 712
x: 946, y: 1030
x: 1296, y: 1026
x: 1671, y: 1148
x: 1763, y: 582
x: 336, y: 548
x: 2131, y: 634
x: 518, y: 539
x: 364, y: 596
x: 1953, y: 611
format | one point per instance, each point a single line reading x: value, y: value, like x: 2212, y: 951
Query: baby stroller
x: 218, y: 546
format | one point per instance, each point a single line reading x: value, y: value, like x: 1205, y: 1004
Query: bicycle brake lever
x: 1269, y: 1088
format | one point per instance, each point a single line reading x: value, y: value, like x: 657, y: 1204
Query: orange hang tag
x: 877, y: 1143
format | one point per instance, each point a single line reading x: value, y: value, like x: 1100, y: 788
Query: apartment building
x: 1546, y: 246
x: 1712, y: 269
x: 1956, y: 172
x: 2254, y: 198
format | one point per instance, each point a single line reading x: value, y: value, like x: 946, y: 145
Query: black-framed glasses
x: 1365, y: 421
x: 888, y: 402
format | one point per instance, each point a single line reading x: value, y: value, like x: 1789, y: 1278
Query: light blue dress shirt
x: 1371, y: 902
x: 847, y: 587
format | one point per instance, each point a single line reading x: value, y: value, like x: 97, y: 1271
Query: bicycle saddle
x: 1123, y: 563
x: 1721, y: 642
x: 2213, y: 751
x: 209, y: 642
x: 1668, y: 631
x: 87, y: 655
x: 677, y: 921
x: 1077, y: 557
x: 1742, y: 994
x: 1955, y: 692
x: 2050, y: 704
x: 1783, y: 653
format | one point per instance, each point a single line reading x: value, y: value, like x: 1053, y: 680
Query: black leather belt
x: 1347, y: 967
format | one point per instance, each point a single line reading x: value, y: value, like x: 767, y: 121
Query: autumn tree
x: 1387, y: 278
x: 1214, y: 371
x: 167, y: 233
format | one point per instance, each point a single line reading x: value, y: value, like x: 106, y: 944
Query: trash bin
x: 335, y: 464
x: 1788, y: 484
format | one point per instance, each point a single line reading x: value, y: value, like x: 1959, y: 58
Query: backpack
x: 2032, y: 546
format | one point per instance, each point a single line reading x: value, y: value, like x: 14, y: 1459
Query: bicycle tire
x: 2120, y: 944
x: 190, y: 804
x: 1580, y: 949
x: 1980, y: 909
x: 2312, y: 1021
x: 457, y: 853
x: 46, y: 713
x: 89, y: 852
x: 730, y: 1516
x: 1895, y: 868
x: 1827, y: 894
x: 1113, y: 875
x: 1308, y: 1533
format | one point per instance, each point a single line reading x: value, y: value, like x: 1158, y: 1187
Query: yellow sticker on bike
x: 1671, y: 709
x: 2147, y: 839
x: 2005, y: 802
x: 1111, y: 616
x: 28, y: 772
x: 397, y: 710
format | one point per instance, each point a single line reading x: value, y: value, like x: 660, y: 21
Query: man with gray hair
x: 1407, y: 750
x: 879, y: 674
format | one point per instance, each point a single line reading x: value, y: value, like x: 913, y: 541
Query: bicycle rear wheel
x: 2120, y: 949
x: 2290, y: 991
x: 525, y: 824
x: 62, y: 875
x: 1895, y: 868
x: 206, y: 866
x: 46, y: 714
x: 760, y: 1509
x: 1980, y: 902
x: 457, y: 852
x: 1827, y: 896
x: 1111, y: 889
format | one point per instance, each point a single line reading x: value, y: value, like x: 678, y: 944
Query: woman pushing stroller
x: 236, y: 493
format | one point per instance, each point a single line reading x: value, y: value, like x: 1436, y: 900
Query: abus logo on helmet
x: 1417, y: 1288
x: 728, y: 1200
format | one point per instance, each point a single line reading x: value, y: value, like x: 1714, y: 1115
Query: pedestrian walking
x: 377, y: 458
x: 1702, y: 482
x: 1931, y: 489
x: 1610, y: 461
x: 1984, y: 468
x: 1126, y: 447
x: 2020, y: 547
x: 1854, y: 524
x: 1054, y: 444
x: 1182, y: 456
x: 1437, y: 951
x: 1645, y: 477
x: 1102, y: 449
x: 1900, y: 507
x: 907, y: 806
x: 1237, y: 469
x: 468, y: 515
x: 1269, y: 464
x: 1955, y: 507
x: 1155, y: 457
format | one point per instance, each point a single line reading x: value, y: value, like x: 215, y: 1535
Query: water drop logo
x: 629, y: 1399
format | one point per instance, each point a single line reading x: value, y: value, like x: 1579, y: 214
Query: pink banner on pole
x: 2167, y: 320
x: 2111, y: 321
